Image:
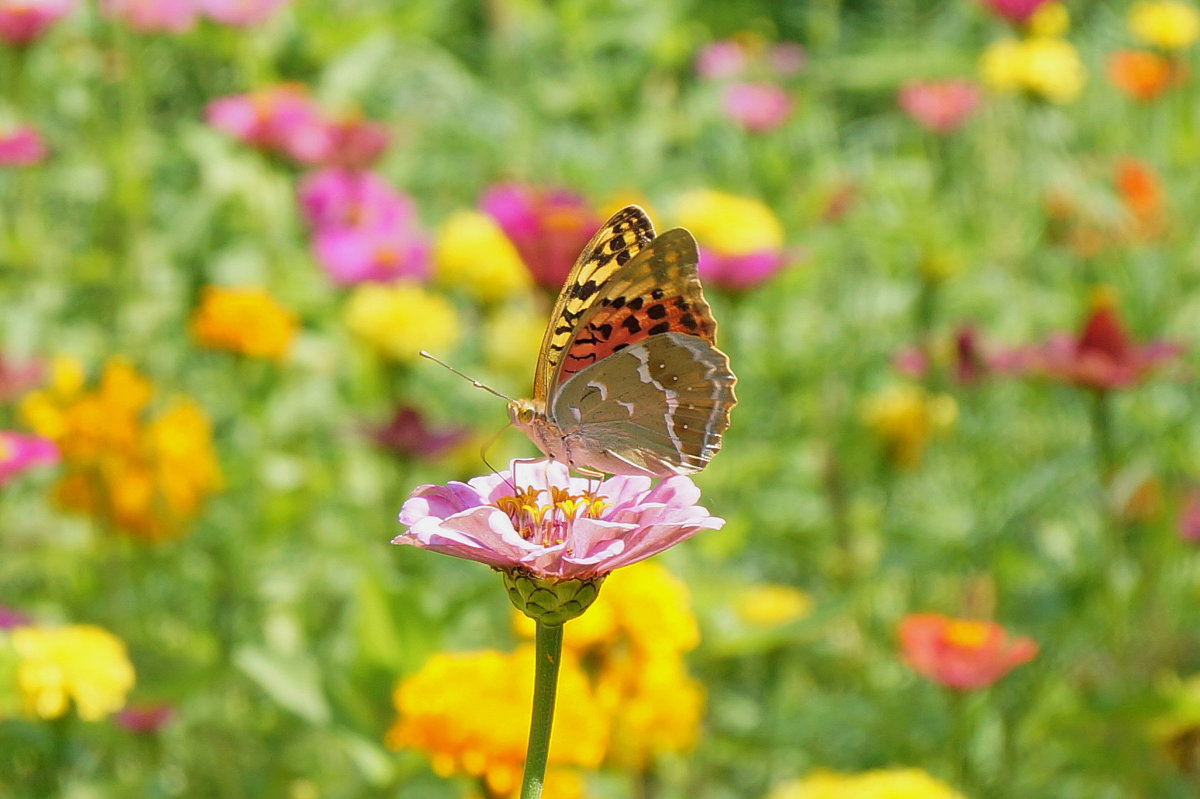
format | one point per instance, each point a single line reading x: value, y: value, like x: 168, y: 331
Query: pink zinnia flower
x: 1014, y: 10
x: 408, y: 434
x: 22, y: 146
x: 278, y: 118
x: 721, y: 59
x: 940, y: 106
x: 959, y: 653
x: 355, y: 143
x: 548, y: 227
x: 535, y: 518
x: 16, y: 379
x: 757, y: 107
x: 22, y: 21
x: 240, y: 13
x: 1101, y: 357
x: 152, y: 16
x: 341, y: 198
x: 738, y: 272
x: 146, y: 718
x: 19, y: 452
x: 380, y: 252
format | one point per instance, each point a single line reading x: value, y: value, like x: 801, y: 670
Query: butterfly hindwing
x: 613, y: 246
x: 658, y: 291
x: 659, y: 406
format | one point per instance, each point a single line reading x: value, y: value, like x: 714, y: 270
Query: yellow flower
x: 1042, y: 65
x: 246, y: 321
x: 1167, y: 24
x: 773, y: 605
x: 512, y: 338
x: 469, y: 713
x: 905, y: 417
x: 729, y: 224
x: 144, y: 474
x: 1050, y: 19
x: 903, y: 783
x: 655, y: 706
x: 82, y: 663
x: 472, y: 253
x: 402, y: 319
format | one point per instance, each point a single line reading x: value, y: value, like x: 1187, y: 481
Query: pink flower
x: 21, y: 147
x: 912, y: 362
x: 1100, y: 357
x: 757, y: 107
x: 340, y: 198
x: 1189, y: 517
x: 939, y: 106
x: 722, y: 59
x: 1014, y: 10
x: 535, y: 518
x: 278, y: 119
x: 738, y: 272
x: 549, y: 227
x: 22, y: 21
x: 786, y: 59
x: 240, y: 13
x: 959, y: 653
x: 379, y: 252
x: 19, y: 452
x: 152, y: 16
x: 408, y: 434
x: 10, y: 618
x: 354, y: 143
x: 146, y: 718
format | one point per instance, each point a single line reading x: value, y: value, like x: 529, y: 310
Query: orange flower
x: 247, y: 321
x: 1141, y: 193
x: 1142, y: 75
x: 960, y: 653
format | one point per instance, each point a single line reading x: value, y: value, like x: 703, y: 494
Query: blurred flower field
x: 950, y: 249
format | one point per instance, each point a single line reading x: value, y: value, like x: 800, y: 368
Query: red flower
x: 939, y: 106
x: 960, y: 653
x: 1189, y: 517
x: 145, y: 718
x: 407, y: 434
x: 1100, y: 357
x: 548, y: 227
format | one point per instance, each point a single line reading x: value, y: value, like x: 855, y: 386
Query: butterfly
x: 629, y: 380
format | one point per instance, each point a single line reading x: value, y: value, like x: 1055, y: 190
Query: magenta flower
x: 552, y: 525
x: 1014, y: 10
x: 380, y: 252
x: 145, y: 718
x: 340, y: 198
x: 757, y: 107
x: 19, y: 452
x: 721, y: 59
x: 1101, y: 357
x: 939, y: 106
x: 152, y: 16
x: 21, y: 146
x: 240, y: 13
x: 739, y: 272
x: 280, y: 119
x: 547, y: 226
x: 22, y: 21
x: 1189, y: 517
x: 354, y: 143
x: 10, y: 618
x: 408, y: 434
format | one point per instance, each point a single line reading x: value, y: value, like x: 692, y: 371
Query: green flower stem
x: 545, y: 686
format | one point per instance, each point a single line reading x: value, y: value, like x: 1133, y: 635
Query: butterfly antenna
x: 468, y: 378
x: 488, y: 445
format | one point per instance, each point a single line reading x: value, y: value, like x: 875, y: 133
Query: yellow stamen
x: 967, y: 634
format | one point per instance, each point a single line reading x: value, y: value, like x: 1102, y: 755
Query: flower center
x: 548, y: 523
x: 966, y: 634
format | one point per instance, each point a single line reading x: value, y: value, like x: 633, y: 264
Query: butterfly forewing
x: 613, y: 246
x: 657, y: 407
x: 658, y: 291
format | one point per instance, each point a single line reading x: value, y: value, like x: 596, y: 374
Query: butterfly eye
x: 525, y: 415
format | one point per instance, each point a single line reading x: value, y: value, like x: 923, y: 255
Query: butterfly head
x: 524, y: 412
